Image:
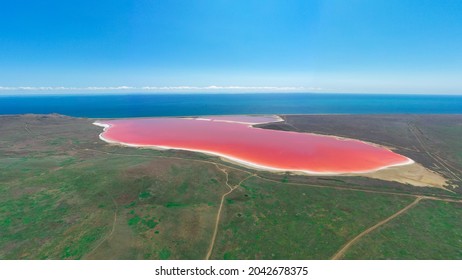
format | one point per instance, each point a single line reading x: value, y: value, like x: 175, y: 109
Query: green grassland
x: 67, y: 212
x: 65, y: 194
x: 430, y: 230
x: 445, y: 137
x: 270, y: 220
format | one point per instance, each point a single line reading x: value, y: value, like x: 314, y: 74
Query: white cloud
x: 211, y: 88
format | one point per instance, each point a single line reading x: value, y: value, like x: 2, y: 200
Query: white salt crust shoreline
x: 251, y: 164
x: 249, y: 124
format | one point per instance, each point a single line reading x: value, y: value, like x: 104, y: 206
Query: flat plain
x: 65, y: 194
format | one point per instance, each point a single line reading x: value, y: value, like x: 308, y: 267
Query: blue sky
x: 395, y: 46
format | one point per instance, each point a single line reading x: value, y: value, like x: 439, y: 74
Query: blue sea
x: 144, y: 105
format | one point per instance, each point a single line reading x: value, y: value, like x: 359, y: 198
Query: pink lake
x: 233, y: 137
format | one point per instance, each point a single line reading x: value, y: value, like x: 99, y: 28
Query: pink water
x: 271, y: 149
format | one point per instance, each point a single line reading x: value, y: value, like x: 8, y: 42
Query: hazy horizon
x: 139, y: 91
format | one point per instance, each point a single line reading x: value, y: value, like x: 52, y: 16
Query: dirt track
x: 345, y: 248
x: 217, y: 221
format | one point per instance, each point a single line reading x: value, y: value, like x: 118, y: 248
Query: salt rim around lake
x: 246, y: 125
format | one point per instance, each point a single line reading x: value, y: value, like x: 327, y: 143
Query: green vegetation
x: 271, y: 220
x: 174, y: 204
x: 66, y: 212
x: 430, y: 230
x: 447, y: 140
x: 164, y: 254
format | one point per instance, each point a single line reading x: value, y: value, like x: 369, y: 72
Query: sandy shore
x: 413, y: 174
